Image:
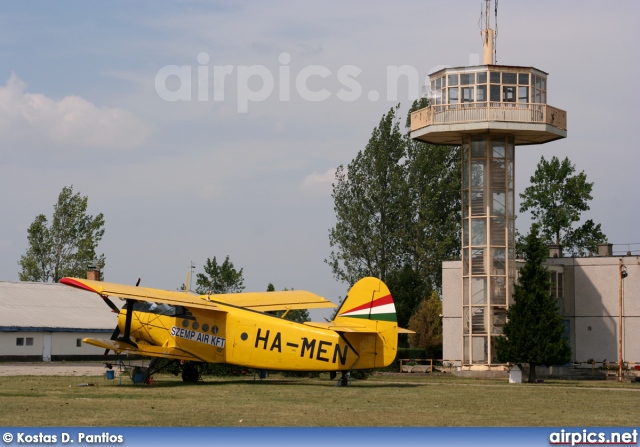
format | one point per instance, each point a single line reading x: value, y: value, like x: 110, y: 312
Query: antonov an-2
x: 234, y: 328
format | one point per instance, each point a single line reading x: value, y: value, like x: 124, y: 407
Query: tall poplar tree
x: 534, y: 332
x: 369, y: 200
x: 68, y: 246
x: 431, y: 230
x: 397, y: 208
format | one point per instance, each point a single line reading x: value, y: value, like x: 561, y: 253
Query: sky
x: 214, y: 128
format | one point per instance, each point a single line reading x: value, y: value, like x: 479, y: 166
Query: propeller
x: 114, y: 336
x: 127, y: 325
x: 113, y: 307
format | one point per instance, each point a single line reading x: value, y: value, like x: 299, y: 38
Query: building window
x: 523, y: 94
x: 539, y: 89
x: 78, y: 342
x: 20, y: 341
x: 509, y: 78
x: 508, y: 94
x: 453, y: 95
x: 467, y: 94
x: 557, y: 288
x: 29, y: 341
x: 481, y: 93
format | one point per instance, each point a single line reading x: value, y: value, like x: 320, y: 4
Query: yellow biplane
x: 235, y: 328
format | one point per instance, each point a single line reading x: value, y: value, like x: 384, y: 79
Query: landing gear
x: 345, y: 380
x: 190, y: 372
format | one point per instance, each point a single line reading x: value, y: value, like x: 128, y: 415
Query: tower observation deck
x: 487, y: 110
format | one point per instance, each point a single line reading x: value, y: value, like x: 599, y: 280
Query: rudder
x: 370, y: 304
x: 368, y: 299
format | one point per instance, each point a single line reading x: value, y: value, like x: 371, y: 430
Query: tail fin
x: 369, y: 304
x: 368, y: 299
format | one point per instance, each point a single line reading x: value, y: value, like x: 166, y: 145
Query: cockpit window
x: 159, y: 309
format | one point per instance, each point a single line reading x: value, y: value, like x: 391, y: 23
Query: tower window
x: 509, y: 78
x: 467, y: 94
x: 467, y: 79
x: 508, y: 94
x: 453, y: 95
x: 481, y: 95
x: 495, y: 93
x: 523, y: 94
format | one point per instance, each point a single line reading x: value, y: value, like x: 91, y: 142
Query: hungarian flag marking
x: 378, y: 309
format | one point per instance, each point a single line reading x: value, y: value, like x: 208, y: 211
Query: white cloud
x: 72, y: 121
x: 318, y: 185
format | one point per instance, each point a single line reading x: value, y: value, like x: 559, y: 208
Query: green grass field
x: 382, y: 400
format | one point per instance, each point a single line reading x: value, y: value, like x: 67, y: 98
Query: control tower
x: 487, y: 110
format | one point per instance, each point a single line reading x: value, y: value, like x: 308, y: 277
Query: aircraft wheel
x: 190, y: 373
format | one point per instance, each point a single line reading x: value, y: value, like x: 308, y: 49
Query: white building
x: 41, y: 321
x: 588, y: 293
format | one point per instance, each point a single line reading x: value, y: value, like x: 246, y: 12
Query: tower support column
x: 488, y: 242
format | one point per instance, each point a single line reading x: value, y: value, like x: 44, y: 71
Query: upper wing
x: 267, y: 301
x: 261, y: 301
x: 139, y: 293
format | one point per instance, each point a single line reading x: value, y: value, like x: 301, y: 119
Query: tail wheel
x: 345, y: 380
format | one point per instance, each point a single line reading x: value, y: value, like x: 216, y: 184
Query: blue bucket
x: 138, y: 377
x: 111, y: 375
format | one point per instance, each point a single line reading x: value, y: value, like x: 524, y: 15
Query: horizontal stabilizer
x: 402, y: 330
x: 342, y: 328
x: 142, y: 349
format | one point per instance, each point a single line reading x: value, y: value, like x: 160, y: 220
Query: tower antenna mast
x: 488, y: 37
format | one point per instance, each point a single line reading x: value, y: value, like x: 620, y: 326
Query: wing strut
x: 126, y: 337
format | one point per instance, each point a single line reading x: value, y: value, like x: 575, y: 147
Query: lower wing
x: 142, y: 349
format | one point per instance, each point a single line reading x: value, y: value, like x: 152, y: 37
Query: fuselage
x: 257, y: 340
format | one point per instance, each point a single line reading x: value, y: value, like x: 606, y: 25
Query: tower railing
x: 489, y: 111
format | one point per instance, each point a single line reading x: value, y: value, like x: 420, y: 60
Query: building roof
x: 52, y: 307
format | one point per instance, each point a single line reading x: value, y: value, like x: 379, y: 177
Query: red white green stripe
x: 378, y: 309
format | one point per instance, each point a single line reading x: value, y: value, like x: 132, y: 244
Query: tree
x: 223, y: 278
x: 297, y: 315
x: 556, y: 199
x: 534, y: 332
x: 432, y: 224
x: 369, y: 197
x: 67, y: 247
x: 408, y: 289
x: 426, y: 322
x: 397, y: 208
